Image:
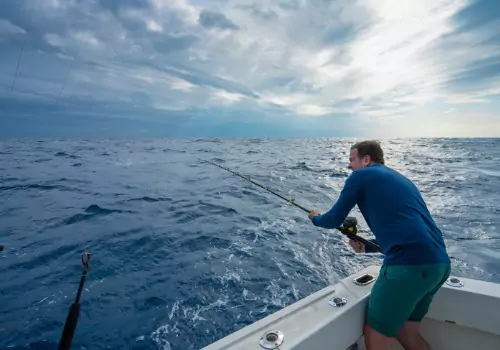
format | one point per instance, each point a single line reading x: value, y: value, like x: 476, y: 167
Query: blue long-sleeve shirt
x: 395, y: 212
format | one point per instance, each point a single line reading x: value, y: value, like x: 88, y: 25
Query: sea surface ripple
x: 184, y: 253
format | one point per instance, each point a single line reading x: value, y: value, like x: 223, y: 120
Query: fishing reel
x: 349, y: 227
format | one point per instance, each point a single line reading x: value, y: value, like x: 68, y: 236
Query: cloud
x: 174, y: 42
x: 261, y: 13
x: 153, y: 26
x: 373, y: 61
x: 7, y: 28
x: 210, y: 19
x: 182, y: 85
x: 312, y: 110
x: 226, y: 97
x: 86, y: 38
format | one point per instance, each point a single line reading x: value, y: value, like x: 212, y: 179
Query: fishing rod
x: 348, y: 228
x: 74, y: 311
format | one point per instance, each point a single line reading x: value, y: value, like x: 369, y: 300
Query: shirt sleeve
x: 347, y: 200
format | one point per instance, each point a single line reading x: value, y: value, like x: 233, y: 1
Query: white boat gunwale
x: 333, y: 318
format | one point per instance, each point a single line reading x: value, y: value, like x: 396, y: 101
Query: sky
x: 285, y: 68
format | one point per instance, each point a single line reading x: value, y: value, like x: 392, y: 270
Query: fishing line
x: 348, y: 228
x: 22, y: 50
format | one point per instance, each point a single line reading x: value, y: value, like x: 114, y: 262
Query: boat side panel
x: 311, y: 322
x: 475, y: 305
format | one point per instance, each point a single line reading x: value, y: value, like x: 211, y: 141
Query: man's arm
x: 346, y: 201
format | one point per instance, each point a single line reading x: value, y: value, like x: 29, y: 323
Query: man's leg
x: 409, y: 336
x: 375, y: 340
x: 388, y: 308
x: 400, y: 294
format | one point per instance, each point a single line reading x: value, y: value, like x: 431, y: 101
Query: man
x: 415, y: 264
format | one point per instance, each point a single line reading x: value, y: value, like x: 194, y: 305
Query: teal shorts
x: 403, y: 293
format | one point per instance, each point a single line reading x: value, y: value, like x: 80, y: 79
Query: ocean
x: 183, y: 253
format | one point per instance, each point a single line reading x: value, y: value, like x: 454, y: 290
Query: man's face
x: 355, y: 162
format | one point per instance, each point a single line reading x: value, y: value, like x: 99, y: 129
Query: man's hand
x: 357, y: 246
x: 313, y: 213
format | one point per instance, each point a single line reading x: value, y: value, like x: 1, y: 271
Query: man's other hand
x: 357, y: 246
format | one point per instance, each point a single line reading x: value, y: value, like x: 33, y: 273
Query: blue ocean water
x: 184, y: 253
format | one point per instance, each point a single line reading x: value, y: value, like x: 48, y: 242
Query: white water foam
x: 160, y: 335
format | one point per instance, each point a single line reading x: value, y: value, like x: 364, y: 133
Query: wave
x: 37, y: 345
x: 211, y: 140
x: 217, y: 208
x: 64, y: 154
x: 304, y: 166
x: 47, y: 257
x: 42, y: 160
x: 172, y: 150
x: 48, y: 186
x: 89, y: 213
x: 150, y: 199
x: 29, y: 186
x: 201, y: 242
x: 301, y: 166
